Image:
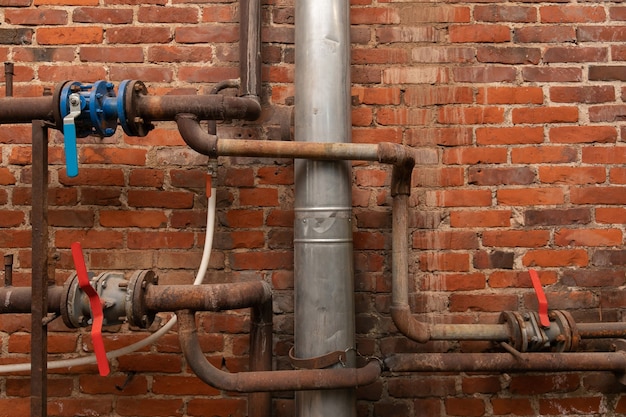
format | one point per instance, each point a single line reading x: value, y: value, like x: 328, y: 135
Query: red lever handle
x: 544, y: 320
x: 96, y: 309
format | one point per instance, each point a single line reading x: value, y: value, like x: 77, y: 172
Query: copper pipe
x: 505, y: 362
x: 264, y: 381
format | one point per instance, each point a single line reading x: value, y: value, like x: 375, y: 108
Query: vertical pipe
x: 8, y: 78
x: 39, y: 343
x: 324, y: 278
x: 250, y: 47
x: 8, y: 270
x: 260, y: 403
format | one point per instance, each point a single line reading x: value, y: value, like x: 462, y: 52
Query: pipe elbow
x: 408, y: 325
x: 253, y: 104
x: 403, y: 160
x: 194, y: 136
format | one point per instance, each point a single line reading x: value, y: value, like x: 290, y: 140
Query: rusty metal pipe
x: 8, y: 270
x: 8, y: 78
x: 250, y: 47
x: 208, y: 297
x: 205, y: 107
x: 601, y: 330
x: 264, y: 381
x: 20, y: 299
x: 505, y: 362
x: 261, y: 344
x: 26, y: 109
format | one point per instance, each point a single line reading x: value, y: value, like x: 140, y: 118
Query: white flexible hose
x: 88, y: 360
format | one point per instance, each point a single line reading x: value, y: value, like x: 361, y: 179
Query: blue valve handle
x: 69, y: 136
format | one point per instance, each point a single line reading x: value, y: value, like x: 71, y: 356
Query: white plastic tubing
x: 91, y: 359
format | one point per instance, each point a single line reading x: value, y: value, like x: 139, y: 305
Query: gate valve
x: 96, y: 309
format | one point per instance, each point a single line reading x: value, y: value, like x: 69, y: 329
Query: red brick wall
x: 517, y: 110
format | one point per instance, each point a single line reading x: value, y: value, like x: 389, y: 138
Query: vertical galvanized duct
x: 324, y: 278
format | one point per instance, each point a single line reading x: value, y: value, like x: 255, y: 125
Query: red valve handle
x: 96, y: 309
x: 544, y: 320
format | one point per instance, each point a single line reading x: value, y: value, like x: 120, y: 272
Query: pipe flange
x: 568, y: 338
x: 516, y: 325
x: 130, y: 92
x: 56, y: 104
x: 71, y: 304
x: 136, y: 311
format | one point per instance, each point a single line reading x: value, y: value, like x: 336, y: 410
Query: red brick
x: 160, y: 240
x: 454, y: 282
x: 598, y: 195
x: 545, y: 115
x: 102, y: 15
x: 470, y: 115
x: 588, y: 237
x: 483, y: 218
x: 429, y: 240
x: 95, y: 384
x: 514, y: 406
x: 569, y: 54
x: 510, y: 95
x: 556, y: 258
x: 551, y: 74
x: 476, y: 302
x: 500, y: 13
x: 35, y: 17
x: 479, y: 33
x: 459, y: 198
x: 583, y: 94
x: 444, y: 261
x: 94, y: 176
x: 530, y: 196
x: 89, y: 238
x: 501, y: 176
x: 583, y: 134
x: 516, y: 238
x: 181, y: 385
x: 615, y: 215
x: 585, y: 405
x: 543, y: 154
x: 138, y: 35
x: 472, y: 156
x: 232, y: 407
x: 604, y: 155
x: 69, y: 35
x: 572, y: 175
x: 164, y: 199
x: 572, y: 14
x: 545, y: 33
x: 70, y: 407
x: 111, y: 54
x: 149, y: 407
x: 155, y: 14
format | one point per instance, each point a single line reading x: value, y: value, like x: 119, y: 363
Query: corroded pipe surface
x: 208, y: 297
x: 601, y: 330
x: 205, y: 107
x: 26, y: 109
x: 263, y: 381
x: 505, y: 362
x: 19, y: 299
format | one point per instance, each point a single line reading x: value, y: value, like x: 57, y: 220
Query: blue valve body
x: 100, y: 112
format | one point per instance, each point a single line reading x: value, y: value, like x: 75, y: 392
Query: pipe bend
x: 409, y: 325
x: 264, y: 381
x: 194, y: 136
x: 403, y: 160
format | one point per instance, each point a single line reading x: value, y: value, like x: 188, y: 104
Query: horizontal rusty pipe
x: 506, y: 362
x: 150, y: 108
x: 205, y: 107
x: 19, y: 299
x: 26, y: 109
x: 601, y: 330
x: 206, y: 297
x: 264, y: 381
x: 387, y: 153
